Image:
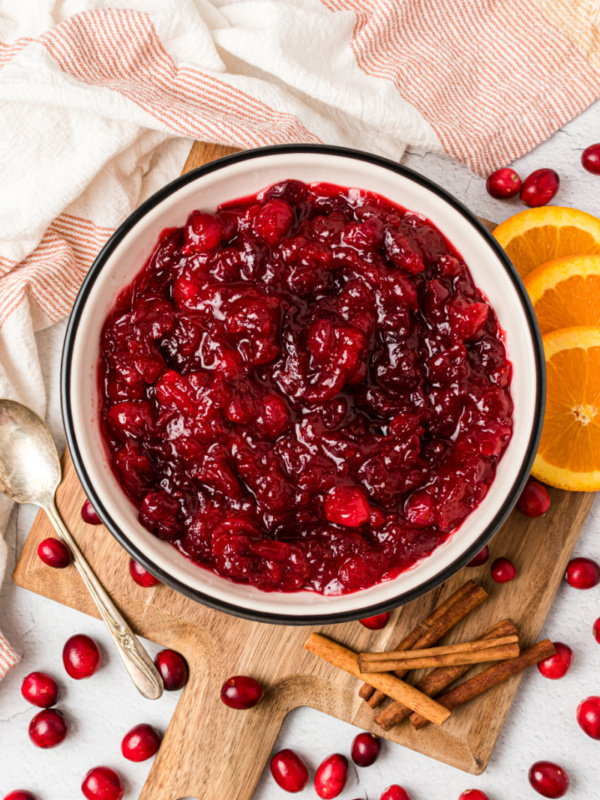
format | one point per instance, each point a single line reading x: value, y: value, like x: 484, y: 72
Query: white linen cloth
x: 99, y: 102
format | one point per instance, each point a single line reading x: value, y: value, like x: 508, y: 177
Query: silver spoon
x: 30, y: 472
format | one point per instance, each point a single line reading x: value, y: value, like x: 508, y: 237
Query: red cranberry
x: 140, y: 743
x: 81, y: 657
x: 40, y: 690
x: 548, y: 779
x: 590, y: 158
x: 48, y: 728
x: 347, y: 505
x: 365, y: 749
x: 241, y: 692
x: 596, y: 630
x: 503, y: 570
x: 173, y: 669
x: 395, y: 792
x: 377, y: 622
x: 54, y: 553
x: 88, y: 514
x: 588, y: 716
x: 102, y: 783
x: 289, y: 771
x: 539, y: 187
x: 473, y: 794
x: 331, y: 776
x: 583, y: 573
x: 141, y: 576
x: 557, y: 666
x: 503, y: 183
x: 481, y: 557
x: 20, y: 794
x: 534, y: 500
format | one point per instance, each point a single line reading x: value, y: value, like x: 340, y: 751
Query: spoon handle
x: 137, y: 662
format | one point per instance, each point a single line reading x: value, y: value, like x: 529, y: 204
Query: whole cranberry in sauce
x: 289, y: 771
x: 140, y: 743
x: 365, y: 749
x: 88, y: 514
x: 103, y: 783
x: 539, y: 187
x: 590, y: 158
x: 298, y: 363
x: 503, y: 184
x: 173, y: 669
x: 377, y: 622
x: 534, y: 500
x: 48, y: 728
x: 40, y: 689
x: 141, y: 575
x: 588, y: 716
x: 331, y: 776
x: 557, y: 666
x: 81, y: 657
x: 503, y: 570
x: 241, y: 692
x: 583, y: 573
x: 548, y: 779
x: 54, y: 553
x: 481, y: 557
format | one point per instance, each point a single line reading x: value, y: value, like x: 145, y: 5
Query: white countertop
x: 540, y: 726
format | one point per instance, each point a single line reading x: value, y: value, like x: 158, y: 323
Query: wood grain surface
x: 213, y: 752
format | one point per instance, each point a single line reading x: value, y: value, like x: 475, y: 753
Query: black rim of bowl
x: 309, y: 618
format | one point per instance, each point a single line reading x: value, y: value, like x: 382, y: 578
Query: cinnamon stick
x: 347, y: 660
x: 446, y: 649
x: 501, y: 653
x: 431, y: 629
x: 439, y: 679
x: 489, y: 678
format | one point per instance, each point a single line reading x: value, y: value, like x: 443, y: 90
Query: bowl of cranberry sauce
x: 302, y: 384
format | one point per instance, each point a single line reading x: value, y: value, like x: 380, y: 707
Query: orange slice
x: 543, y: 234
x: 569, y: 453
x: 566, y: 292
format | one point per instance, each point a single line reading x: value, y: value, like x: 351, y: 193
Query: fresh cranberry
x: 81, y: 657
x: 395, y: 792
x: 331, y: 776
x: 20, y: 794
x: 54, y: 553
x: 365, y: 749
x: 590, y: 158
x: 88, y: 514
x: 481, y: 557
x: 48, y: 728
x: 40, y: 690
x: 583, y: 573
x: 141, y: 576
x: 173, y: 669
x: 557, y: 666
x: 596, y: 630
x: 289, y: 771
x: 503, y: 570
x: 588, y: 716
x: 539, y: 187
x: 473, y: 794
x: 548, y: 779
x: 377, y: 622
x: 241, y: 692
x: 347, y: 505
x: 503, y: 183
x: 140, y: 743
x: 534, y: 500
x: 103, y: 783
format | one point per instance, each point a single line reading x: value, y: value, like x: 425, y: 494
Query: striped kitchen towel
x: 100, y: 100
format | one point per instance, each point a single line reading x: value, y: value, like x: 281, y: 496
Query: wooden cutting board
x: 213, y: 752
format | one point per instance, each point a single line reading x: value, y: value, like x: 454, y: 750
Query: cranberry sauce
x: 305, y: 390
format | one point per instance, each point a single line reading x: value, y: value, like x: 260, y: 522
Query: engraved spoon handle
x: 137, y: 662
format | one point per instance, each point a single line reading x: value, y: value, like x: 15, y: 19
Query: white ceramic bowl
x: 244, y: 174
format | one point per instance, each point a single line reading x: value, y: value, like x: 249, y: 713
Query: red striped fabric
x: 492, y: 79
x: 8, y: 657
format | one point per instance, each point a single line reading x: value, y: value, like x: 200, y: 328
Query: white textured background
x: 541, y: 724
